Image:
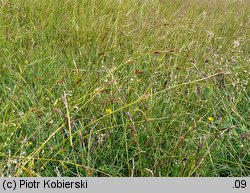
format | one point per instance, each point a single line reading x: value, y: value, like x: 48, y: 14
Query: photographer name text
x: 44, y: 184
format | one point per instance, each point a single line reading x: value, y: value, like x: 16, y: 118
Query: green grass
x: 124, y: 88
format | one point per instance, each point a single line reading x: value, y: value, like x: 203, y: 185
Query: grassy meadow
x: 124, y: 88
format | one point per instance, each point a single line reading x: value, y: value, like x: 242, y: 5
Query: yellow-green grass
x: 124, y: 88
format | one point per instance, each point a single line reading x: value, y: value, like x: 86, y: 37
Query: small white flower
x: 20, y: 113
x: 23, y: 153
x: 236, y: 43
